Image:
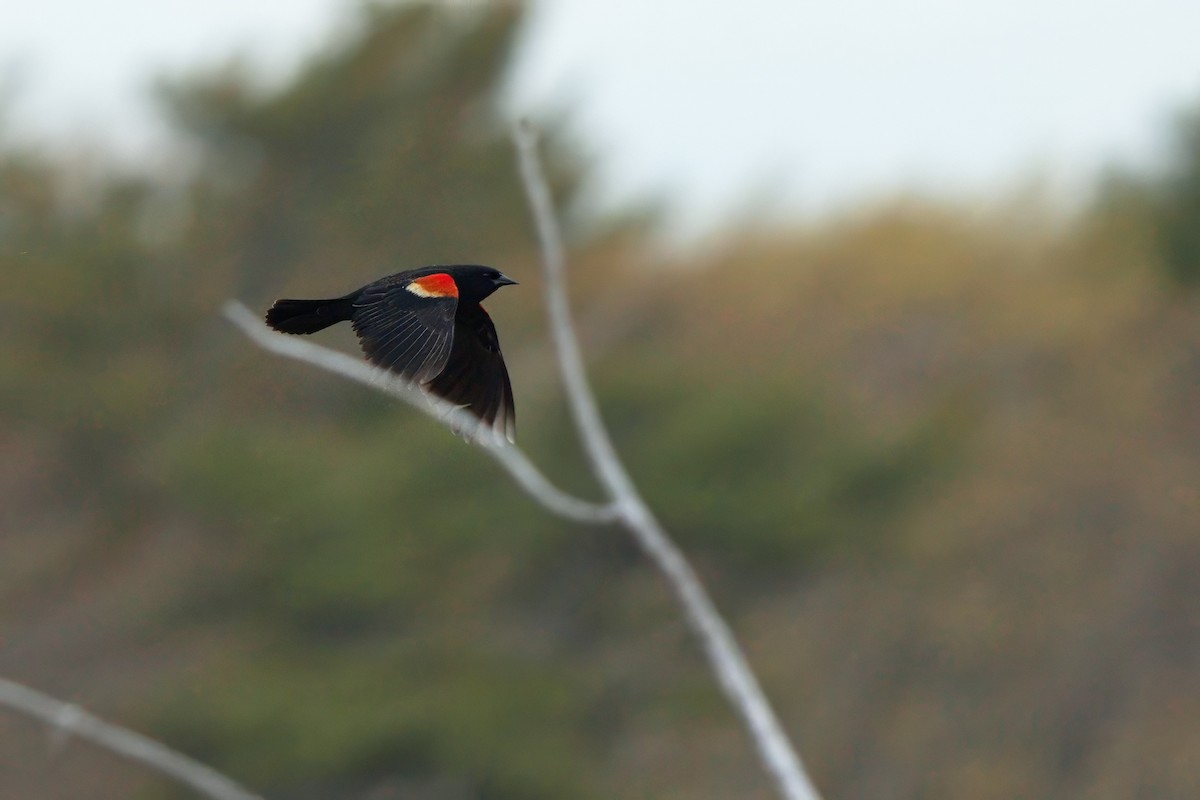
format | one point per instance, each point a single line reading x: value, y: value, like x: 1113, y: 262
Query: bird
x: 427, y: 326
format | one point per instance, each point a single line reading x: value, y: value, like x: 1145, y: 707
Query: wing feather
x: 476, y: 378
x: 409, y: 335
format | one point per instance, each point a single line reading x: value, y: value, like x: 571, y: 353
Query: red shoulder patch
x: 439, y: 284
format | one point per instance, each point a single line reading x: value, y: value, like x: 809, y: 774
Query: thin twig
x: 735, y: 676
x: 509, y: 456
x: 70, y: 719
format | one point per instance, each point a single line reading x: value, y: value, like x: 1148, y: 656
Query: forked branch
x: 509, y: 456
x: 724, y: 655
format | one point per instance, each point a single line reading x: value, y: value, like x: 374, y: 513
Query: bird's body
x: 426, y: 325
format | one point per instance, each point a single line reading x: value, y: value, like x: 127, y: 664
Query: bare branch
x: 724, y: 655
x: 70, y: 719
x: 512, y: 458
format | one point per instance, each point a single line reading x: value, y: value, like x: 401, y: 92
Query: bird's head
x: 476, y: 282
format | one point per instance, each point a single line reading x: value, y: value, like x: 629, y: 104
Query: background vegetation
x: 938, y: 462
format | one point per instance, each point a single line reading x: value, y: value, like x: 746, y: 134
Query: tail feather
x: 308, y: 316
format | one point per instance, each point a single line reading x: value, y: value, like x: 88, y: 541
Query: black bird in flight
x: 427, y: 326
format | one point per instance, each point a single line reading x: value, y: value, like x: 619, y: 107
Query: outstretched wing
x: 407, y: 326
x: 475, y: 377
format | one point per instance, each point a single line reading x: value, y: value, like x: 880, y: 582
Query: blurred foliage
x: 1169, y: 199
x: 939, y: 462
x: 387, y: 148
x: 1179, y: 209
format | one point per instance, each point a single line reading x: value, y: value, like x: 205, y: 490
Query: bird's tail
x: 309, y: 316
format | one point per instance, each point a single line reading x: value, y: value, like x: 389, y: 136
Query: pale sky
x: 707, y: 102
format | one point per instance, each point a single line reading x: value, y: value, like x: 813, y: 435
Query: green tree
x: 1177, y: 219
x: 387, y: 150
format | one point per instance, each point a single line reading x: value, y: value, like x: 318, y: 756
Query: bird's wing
x: 407, y: 333
x: 475, y: 376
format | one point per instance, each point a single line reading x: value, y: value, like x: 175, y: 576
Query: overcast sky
x: 708, y: 101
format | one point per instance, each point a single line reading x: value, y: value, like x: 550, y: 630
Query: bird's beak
x: 504, y: 280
